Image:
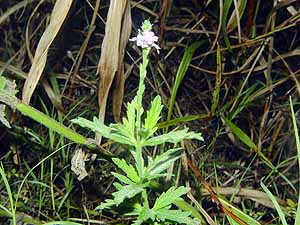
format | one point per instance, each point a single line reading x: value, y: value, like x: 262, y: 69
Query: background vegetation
x: 226, y: 69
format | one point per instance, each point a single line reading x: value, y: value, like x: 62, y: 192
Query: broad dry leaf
x: 118, y: 92
x: 59, y: 13
x: 108, y: 63
x: 255, y: 195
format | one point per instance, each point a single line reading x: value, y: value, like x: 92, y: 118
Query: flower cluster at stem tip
x: 146, y: 38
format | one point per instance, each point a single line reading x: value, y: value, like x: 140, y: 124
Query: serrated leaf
x: 127, y: 129
x: 8, y: 92
x: 8, y: 86
x: 161, y: 163
x: 186, y: 207
x: 127, y: 191
x: 122, y: 129
x: 93, y: 125
x: 3, y: 119
x: 145, y: 214
x: 131, y: 108
x: 175, y: 216
x: 168, y: 197
x: 106, y: 205
x: 2, y: 82
x: 172, y: 137
x: 153, y: 115
x: 162, y: 215
x: 118, y: 186
x: 122, y: 178
x: 109, y: 132
x: 129, y: 170
x: 155, y: 176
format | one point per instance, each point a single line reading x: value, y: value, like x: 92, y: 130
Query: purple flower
x: 146, y: 39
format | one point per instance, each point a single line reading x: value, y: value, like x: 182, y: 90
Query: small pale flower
x: 146, y: 39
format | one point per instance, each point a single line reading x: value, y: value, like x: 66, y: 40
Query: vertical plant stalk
x: 145, y: 199
x: 145, y: 39
x: 140, y: 111
x: 141, y: 89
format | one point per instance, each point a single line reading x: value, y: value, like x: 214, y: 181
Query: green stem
x: 139, y: 160
x: 145, y: 198
x: 139, y: 112
x: 141, y: 89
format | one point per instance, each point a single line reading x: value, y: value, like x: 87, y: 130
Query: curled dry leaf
x: 59, y: 13
x: 118, y: 92
x: 108, y: 64
x: 78, y: 164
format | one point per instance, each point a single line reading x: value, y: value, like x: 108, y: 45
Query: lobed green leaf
x: 172, y: 137
x: 167, y: 198
x: 130, y: 122
x: 127, y: 191
x: 174, y: 215
x: 129, y: 170
x: 153, y: 115
x: 108, y: 132
x: 122, y: 178
x: 106, y: 205
x: 161, y: 163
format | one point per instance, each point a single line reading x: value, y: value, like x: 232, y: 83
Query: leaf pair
x: 126, y: 132
x: 134, y: 183
x: 115, y: 132
x: 161, y: 211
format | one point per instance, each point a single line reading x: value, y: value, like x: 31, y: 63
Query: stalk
x: 140, y: 111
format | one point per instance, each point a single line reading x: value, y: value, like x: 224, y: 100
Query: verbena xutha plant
x: 138, y: 133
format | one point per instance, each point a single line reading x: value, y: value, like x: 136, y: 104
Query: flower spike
x: 146, y: 38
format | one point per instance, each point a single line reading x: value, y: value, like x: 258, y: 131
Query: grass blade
x: 232, y: 22
x: 247, y: 141
x: 297, y: 220
x: 50, y: 123
x: 184, y: 206
x: 216, y: 91
x: 273, y: 199
x: 184, y: 64
x: 227, y: 5
x: 10, y: 195
x: 238, y: 213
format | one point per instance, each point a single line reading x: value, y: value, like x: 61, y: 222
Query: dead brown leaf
x: 118, y: 92
x: 109, y: 61
x: 59, y: 13
x: 255, y: 195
